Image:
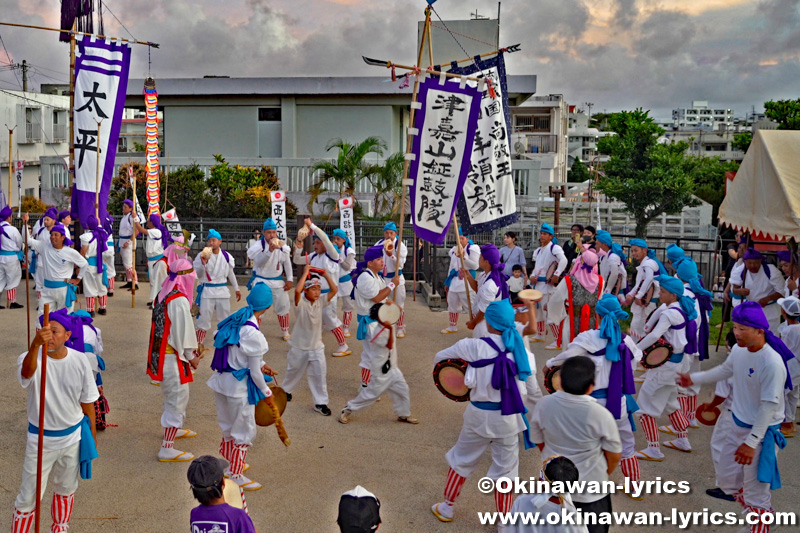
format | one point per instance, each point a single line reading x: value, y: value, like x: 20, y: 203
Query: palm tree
x: 342, y: 175
x: 387, y: 180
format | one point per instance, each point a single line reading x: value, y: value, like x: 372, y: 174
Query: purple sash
x: 620, y: 379
x: 503, y: 379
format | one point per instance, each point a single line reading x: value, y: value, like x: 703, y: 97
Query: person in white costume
x: 307, y: 352
x: 548, y: 256
x: 158, y: 238
x: 756, y: 281
x: 612, y: 265
x: 11, y: 254
x: 392, y: 258
x: 109, y: 263
x: 41, y: 232
x: 646, y: 272
x: 125, y: 244
x: 172, y: 355
x: 272, y: 265
x: 791, y: 271
x: 758, y: 368
x: 490, y: 287
x: 238, y: 381
x: 325, y: 257
x: 57, y: 261
x: 455, y: 285
x: 69, y: 435
x: 214, y: 272
x: 347, y: 263
x: 94, y: 247
x: 494, y: 417
x: 790, y: 335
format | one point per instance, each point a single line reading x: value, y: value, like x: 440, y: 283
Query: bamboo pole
x: 71, y: 168
x: 27, y: 284
x: 73, y: 33
x: 389, y: 64
x: 133, y: 241
x: 97, y: 178
x: 409, y: 144
x: 40, y: 438
x: 10, y: 163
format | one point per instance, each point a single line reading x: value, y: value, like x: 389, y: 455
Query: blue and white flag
x: 101, y: 81
x: 444, y: 131
x: 489, y: 201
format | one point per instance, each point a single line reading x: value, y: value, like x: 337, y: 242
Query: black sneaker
x: 15, y: 305
x: 288, y: 396
x: 323, y: 410
x: 127, y: 285
x: 102, y: 311
x: 91, y: 313
x: 720, y: 494
x: 110, y: 294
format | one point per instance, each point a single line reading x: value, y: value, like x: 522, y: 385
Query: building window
x: 269, y: 114
x: 59, y: 176
x: 30, y: 192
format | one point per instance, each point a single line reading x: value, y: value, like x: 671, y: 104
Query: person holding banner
x: 549, y: 262
x: 214, y: 267
x: 641, y: 299
x: 10, y: 256
x: 455, y: 285
x: 158, y: 238
x: 69, y: 435
x: 395, y: 252
x: 756, y: 281
x: 57, y: 262
x: 271, y: 264
x: 326, y: 257
x: 41, y: 232
x: 109, y: 256
x: 347, y: 262
x: 125, y: 244
x: 238, y: 380
x: 94, y: 248
x: 171, y: 355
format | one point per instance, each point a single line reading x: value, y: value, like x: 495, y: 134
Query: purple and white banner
x: 101, y: 81
x: 444, y: 132
x: 489, y: 201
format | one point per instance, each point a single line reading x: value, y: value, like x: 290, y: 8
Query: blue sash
x: 93, y: 262
x: 345, y: 278
x: 363, y: 323
x: 768, y: 459
x: 676, y: 358
x: 540, y: 279
x: 88, y: 448
x: 120, y: 239
x: 252, y: 280
x: 155, y: 257
x: 32, y: 265
x: 19, y: 253
x: 202, y: 286
x: 495, y: 406
x: 453, y: 273
x: 390, y: 275
x: 599, y: 394
x: 72, y: 294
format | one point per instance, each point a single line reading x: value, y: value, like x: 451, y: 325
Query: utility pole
x: 590, y: 105
x: 24, y: 76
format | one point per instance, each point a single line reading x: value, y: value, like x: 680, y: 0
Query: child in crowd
x: 213, y: 514
x: 789, y: 332
x: 515, y: 284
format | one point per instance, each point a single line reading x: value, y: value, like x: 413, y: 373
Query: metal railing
x: 59, y: 133
x: 32, y: 133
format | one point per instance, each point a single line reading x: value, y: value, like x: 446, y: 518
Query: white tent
x: 764, y: 196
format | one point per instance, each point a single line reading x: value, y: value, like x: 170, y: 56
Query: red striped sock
x: 111, y: 283
x: 679, y: 423
x: 339, y: 334
x: 38, y: 295
x: 283, y: 321
x: 554, y: 330
x: 347, y: 319
x: 201, y: 335
x: 630, y: 468
x: 650, y: 429
x: 61, y: 511
x: 169, y: 437
x: 691, y: 414
x: 239, y: 455
x: 90, y: 301
x: 103, y: 301
x: 129, y: 274
x: 23, y: 521
x: 540, y: 328
x: 452, y: 487
x: 366, y: 374
x: 453, y: 320
x: 11, y: 296
x: 760, y: 527
x: 503, y: 501
x: 244, y: 501
x: 401, y: 324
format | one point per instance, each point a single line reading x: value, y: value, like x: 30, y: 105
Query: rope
x: 463, y: 35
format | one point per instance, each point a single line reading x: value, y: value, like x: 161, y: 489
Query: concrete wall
x: 316, y: 125
x: 228, y: 130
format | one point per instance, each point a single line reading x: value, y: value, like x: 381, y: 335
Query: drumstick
x: 40, y: 439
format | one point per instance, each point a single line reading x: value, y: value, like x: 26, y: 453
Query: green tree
x: 342, y: 175
x: 709, y: 178
x: 243, y: 192
x: 785, y: 112
x: 387, y: 180
x: 600, y: 121
x: 741, y: 141
x: 578, y: 173
x: 648, y: 177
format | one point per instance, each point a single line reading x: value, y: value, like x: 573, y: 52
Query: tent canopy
x: 764, y: 196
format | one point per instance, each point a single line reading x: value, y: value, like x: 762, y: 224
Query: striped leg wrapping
x: 23, y: 522
x: 339, y: 334
x: 760, y: 527
x: 453, y: 320
x: 630, y: 468
x: 347, y: 319
x: 401, y: 324
x: 503, y: 501
x: 650, y: 429
x: 201, y: 335
x: 238, y: 456
x: 11, y: 296
x: 61, y: 511
x: 111, y: 283
x: 452, y: 488
x: 679, y: 423
x: 103, y: 302
x: 366, y: 374
x: 169, y: 437
x: 90, y: 301
x: 283, y: 321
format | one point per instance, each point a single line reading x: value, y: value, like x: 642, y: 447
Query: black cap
x: 359, y: 511
x: 206, y: 471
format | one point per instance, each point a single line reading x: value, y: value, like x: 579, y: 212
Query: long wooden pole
x: 133, y: 241
x: 97, y: 178
x: 409, y: 145
x: 40, y: 439
x: 71, y: 108
x: 72, y: 32
x: 10, y: 163
x: 27, y: 284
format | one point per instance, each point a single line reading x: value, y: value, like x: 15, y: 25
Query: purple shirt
x: 220, y: 519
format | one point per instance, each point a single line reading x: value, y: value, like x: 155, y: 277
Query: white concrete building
x: 708, y: 143
x: 582, y: 141
x: 701, y: 115
x: 40, y: 129
x: 540, y: 134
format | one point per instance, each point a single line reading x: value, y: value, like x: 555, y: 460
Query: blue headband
x: 260, y: 298
x: 390, y: 226
x: 641, y: 243
x: 214, y: 234
x: 500, y: 315
x: 269, y: 224
x: 604, y: 237
x: 609, y: 308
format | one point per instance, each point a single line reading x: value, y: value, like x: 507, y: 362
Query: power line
x: 119, y: 21
x: 9, y: 58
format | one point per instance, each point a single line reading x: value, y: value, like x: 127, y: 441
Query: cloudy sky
x: 618, y: 54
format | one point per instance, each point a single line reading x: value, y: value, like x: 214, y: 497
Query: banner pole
x: 133, y: 242
x: 409, y: 145
x: 40, y: 438
x: 10, y: 164
x: 97, y: 178
x: 27, y: 284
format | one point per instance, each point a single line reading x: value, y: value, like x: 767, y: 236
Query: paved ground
x: 404, y: 465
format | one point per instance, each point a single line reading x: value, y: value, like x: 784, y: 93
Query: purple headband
x: 62, y: 317
x: 751, y: 314
x: 52, y: 213
x: 783, y: 255
x: 59, y: 228
x: 166, y: 238
x: 752, y: 253
x: 62, y: 215
x: 492, y: 255
x: 372, y: 253
x: 5, y: 213
x: 127, y: 202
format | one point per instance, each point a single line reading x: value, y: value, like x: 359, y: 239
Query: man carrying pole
x: 62, y: 402
x: 10, y: 256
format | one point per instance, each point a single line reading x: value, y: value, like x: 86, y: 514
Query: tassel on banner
x: 394, y: 74
x: 490, y: 85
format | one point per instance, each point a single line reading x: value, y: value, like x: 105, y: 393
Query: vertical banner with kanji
x: 346, y: 220
x: 18, y: 170
x: 101, y: 81
x: 278, y: 199
x: 489, y: 201
x: 444, y: 132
